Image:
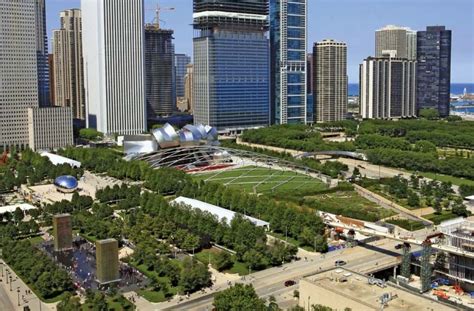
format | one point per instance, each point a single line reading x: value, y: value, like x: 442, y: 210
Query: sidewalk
x: 30, y: 300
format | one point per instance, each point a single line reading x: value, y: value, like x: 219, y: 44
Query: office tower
x: 181, y: 61
x: 159, y: 71
x: 387, y: 88
x: 62, y: 232
x: 231, y: 77
x: 309, y: 73
x: 107, y: 260
x: 411, y: 44
x: 18, y: 70
x: 114, y: 75
x: 288, y: 61
x: 434, y: 69
x: 68, y: 64
x: 396, y: 38
x: 50, y: 128
x: 330, y: 81
x: 52, y: 99
x: 188, y: 87
x: 42, y: 53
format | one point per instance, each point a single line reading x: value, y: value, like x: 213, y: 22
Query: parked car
x: 398, y: 246
x: 289, y: 283
x: 339, y: 263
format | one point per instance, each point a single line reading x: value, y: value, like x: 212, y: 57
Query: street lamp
x: 7, y: 274
x: 1, y: 264
x: 11, y: 289
x: 18, y: 292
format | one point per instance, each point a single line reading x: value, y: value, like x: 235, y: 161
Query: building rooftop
x: 58, y: 160
x: 219, y: 212
x: 354, y: 290
x: 12, y: 208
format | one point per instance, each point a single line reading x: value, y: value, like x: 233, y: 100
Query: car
x: 289, y: 283
x: 398, y: 246
x: 339, y: 263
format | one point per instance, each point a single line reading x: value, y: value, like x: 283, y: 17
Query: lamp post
x: 18, y: 292
x: 1, y: 264
x: 7, y: 274
x: 11, y: 289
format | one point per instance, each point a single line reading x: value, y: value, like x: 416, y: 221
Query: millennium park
x: 176, y: 215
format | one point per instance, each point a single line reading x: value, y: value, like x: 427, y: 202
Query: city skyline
x: 322, y: 14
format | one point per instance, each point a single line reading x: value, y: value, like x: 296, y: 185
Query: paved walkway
x: 9, y: 299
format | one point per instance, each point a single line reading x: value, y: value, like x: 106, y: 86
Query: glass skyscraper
x: 231, y: 64
x: 42, y: 54
x: 288, y: 61
x: 434, y: 69
x: 181, y: 62
x: 159, y: 72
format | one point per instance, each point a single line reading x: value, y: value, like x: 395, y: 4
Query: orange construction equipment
x: 458, y: 290
x: 441, y: 294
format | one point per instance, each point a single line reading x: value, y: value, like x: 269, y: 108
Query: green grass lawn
x: 291, y: 240
x: 238, y: 268
x: 264, y: 180
x: 447, y: 178
x: 406, y: 224
x: 349, y: 204
x: 438, y: 218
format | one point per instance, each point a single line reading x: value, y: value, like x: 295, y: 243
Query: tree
x: 272, y: 304
x: 90, y: 134
x: 413, y: 199
x: 99, y: 302
x: 222, y: 261
x: 190, y: 243
x: 437, y: 206
x: 194, y: 276
x: 429, y: 113
x: 321, y: 244
x: 239, y: 298
x: 69, y: 303
x: 459, y: 208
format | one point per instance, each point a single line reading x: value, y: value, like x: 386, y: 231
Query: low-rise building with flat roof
x: 340, y: 288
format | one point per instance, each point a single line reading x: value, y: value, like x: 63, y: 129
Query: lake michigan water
x: 464, y: 107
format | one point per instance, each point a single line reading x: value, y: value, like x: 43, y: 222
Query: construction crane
x: 158, y: 10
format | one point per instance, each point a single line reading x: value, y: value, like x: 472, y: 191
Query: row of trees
x: 36, y: 268
x: 283, y: 218
x: 31, y: 168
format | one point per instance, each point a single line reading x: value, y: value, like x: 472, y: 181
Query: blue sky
x: 352, y: 21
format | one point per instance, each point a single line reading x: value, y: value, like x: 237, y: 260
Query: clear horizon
x: 360, y: 19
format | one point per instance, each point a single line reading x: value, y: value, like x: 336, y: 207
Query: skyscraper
x: 181, y: 61
x: 114, y: 75
x: 188, y: 87
x: 387, y: 88
x: 68, y: 63
x: 396, y: 38
x: 52, y: 99
x: 18, y: 69
x: 288, y: 61
x: 231, y: 77
x: 434, y: 69
x: 159, y: 71
x: 42, y: 54
x: 330, y: 81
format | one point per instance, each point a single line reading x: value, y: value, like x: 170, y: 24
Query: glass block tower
x: 231, y: 85
x: 288, y: 61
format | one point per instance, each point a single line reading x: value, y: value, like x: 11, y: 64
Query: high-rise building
x: 181, y: 61
x: 114, y: 74
x: 434, y: 69
x: 309, y: 73
x: 188, y: 87
x: 231, y: 76
x: 50, y: 128
x: 387, y: 88
x: 159, y: 71
x: 41, y: 53
x: 107, y: 260
x: 330, y: 81
x: 62, y: 232
x: 18, y: 70
x: 68, y: 63
x: 52, y: 99
x: 288, y: 61
x: 396, y: 38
